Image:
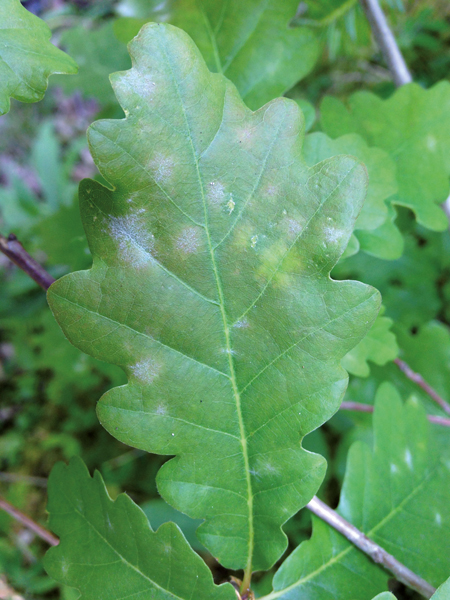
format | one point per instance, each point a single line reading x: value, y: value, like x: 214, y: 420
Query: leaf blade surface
x: 108, y: 550
x: 194, y: 255
x: 27, y: 57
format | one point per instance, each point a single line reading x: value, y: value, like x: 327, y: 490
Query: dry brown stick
x: 386, y: 42
x: 420, y: 381
x: 40, y: 531
x: 14, y: 250
x: 368, y: 408
x: 369, y: 547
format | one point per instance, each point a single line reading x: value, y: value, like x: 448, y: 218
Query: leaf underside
x: 210, y: 288
x: 27, y: 57
x: 108, y: 550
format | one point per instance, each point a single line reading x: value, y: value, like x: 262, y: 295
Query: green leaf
x: 396, y: 493
x: 385, y: 241
x: 413, y: 126
x: 380, y: 167
x: 411, y: 285
x: 251, y: 42
x: 211, y: 289
x: 27, y: 58
x: 443, y: 593
x: 108, y: 550
x: 98, y: 54
x: 427, y: 351
x: 379, y: 346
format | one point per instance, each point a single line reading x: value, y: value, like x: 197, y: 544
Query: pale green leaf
x: 413, y: 126
x: 27, y: 58
x: 443, y: 593
x: 108, y: 550
x: 211, y: 289
x: 378, y: 346
x: 386, y: 241
x: 380, y: 167
x: 249, y: 41
x: 397, y: 494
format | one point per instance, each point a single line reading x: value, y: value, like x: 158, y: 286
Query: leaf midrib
x: 243, y: 437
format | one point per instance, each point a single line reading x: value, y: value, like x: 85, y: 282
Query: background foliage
x: 400, y: 245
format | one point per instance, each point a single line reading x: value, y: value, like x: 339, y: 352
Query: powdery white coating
x: 294, y: 227
x: 438, y: 519
x: 189, y: 240
x: 146, y: 370
x: 242, y: 324
x: 135, y: 241
x: 431, y: 142
x: 161, y: 410
x: 333, y: 235
x: 216, y: 192
x: 161, y: 167
x: 408, y: 459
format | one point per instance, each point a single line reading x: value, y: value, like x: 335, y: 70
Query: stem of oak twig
x: 368, y: 408
x: 376, y: 552
x: 420, y: 381
x: 14, y: 250
x: 41, y: 532
x: 386, y: 42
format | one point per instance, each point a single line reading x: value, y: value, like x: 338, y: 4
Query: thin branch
x: 386, y: 42
x: 368, y: 408
x: 420, y: 381
x: 376, y: 552
x: 41, y: 532
x: 14, y: 477
x: 14, y: 250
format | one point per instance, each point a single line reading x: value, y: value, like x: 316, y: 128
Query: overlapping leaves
x: 211, y: 288
x: 252, y: 43
x: 27, y: 57
x: 397, y: 495
x: 413, y: 126
x: 108, y: 550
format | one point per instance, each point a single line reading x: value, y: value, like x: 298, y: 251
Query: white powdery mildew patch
x: 216, y: 192
x: 189, y: 240
x: 135, y: 242
x: 294, y: 227
x: 408, y: 459
x: 333, y: 235
x: 161, y: 167
x: 241, y: 324
x: 146, y: 370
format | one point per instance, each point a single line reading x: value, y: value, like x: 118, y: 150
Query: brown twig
x: 420, y: 381
x: 386, y: 42
x: 368, y: 408
x: 14, y: 250
x: 40, y: 531
x: 376, y: 552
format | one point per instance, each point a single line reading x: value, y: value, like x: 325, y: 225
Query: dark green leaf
x: 108, y: 550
